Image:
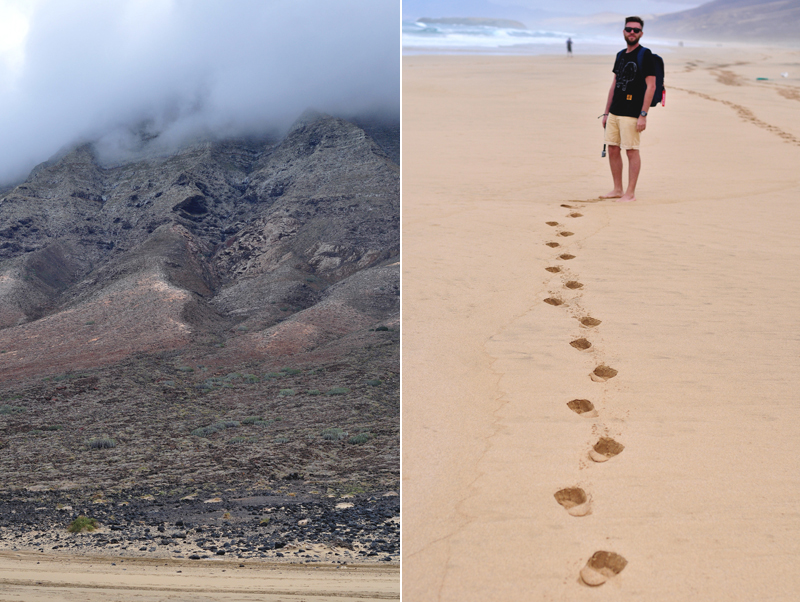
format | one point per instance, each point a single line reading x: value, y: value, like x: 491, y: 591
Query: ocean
x: 439, y: 38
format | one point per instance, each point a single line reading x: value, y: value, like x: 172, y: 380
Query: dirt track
x: 35, y: 577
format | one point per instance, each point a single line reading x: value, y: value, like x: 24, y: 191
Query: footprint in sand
x: 573, y: 284
x: 565, y: 233
x: 605, y: 449
x: 553, y: 244
x: 554, y: 269
x: 581, y: 344
x: 575, y: 214
x: 552, y: 223
x: 584, y: 407
x: 565, y: 256
x: 602, y: 373
x: 553, y: 301
x: 574, y: 500
x: 589, y: 322
x: 601, y: 567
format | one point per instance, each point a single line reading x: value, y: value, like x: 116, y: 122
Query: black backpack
x: 660, y: 95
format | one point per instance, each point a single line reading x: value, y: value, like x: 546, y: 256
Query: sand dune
x: 658, y: 462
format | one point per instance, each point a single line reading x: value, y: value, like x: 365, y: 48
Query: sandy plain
x: 36, y: 577
x: 697, y: 292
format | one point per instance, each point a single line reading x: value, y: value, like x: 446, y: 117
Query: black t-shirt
x: 629, y: 91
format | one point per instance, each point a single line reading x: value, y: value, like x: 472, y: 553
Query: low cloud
x: 168, y: 71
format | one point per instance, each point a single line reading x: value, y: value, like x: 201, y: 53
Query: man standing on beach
x: 625, y: 116
x: 569, y: 46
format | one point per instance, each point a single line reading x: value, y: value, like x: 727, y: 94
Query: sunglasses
x: 633, y: 30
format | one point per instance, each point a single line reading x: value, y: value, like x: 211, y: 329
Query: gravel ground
x: 295, y: 527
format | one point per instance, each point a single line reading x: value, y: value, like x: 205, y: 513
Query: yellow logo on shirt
x: 630, y: 97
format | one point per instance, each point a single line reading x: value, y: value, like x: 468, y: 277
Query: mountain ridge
x: 733, y: 20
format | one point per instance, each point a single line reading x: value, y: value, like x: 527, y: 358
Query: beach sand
x: 697, y: 292
x: 36, y: 577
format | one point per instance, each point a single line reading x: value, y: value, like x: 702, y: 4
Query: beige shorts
x: 621, y: 132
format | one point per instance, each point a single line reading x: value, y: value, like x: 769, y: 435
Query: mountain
x: 248, y: 282
x: 733, y: 20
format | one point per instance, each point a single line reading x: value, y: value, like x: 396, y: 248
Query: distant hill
x: 733, y: 20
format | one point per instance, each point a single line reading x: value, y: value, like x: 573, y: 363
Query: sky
x: 100, y: 70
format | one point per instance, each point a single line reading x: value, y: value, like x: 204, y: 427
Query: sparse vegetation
x: 9, y: 409
x: 314, y: 392
x: 102, y: 443
x: 291, y: 371
x: 236, y: 440
x: 252, y: 420
x: 374, y: 382
x: 82, y: 523
x: 205, y: 431
x: 354, y: 489
x: 281, y: 440
x: 333, y: 434
x: 360, y: 438
x: 338, y: 391
x: 287, y: 392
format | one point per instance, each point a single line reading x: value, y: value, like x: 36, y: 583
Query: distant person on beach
x: 625, y: 115
x: 569, y: 46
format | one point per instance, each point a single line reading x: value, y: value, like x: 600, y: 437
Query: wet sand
x: 35, y: 577
x: 684, y: 471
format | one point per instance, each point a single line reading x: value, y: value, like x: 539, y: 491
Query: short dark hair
x: 635, y: 20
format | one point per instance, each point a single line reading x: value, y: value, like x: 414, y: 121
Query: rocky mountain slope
x: 225, y: 315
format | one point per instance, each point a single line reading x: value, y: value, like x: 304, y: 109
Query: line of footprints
x: 603, y: 565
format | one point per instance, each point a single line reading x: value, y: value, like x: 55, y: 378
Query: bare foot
x: 626, y: 198
x: 614, y: 194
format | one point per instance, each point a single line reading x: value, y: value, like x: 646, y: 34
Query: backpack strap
x: 639, y: 57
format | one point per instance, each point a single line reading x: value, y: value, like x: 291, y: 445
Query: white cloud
x: 91, y: 69
x: 14, y: 15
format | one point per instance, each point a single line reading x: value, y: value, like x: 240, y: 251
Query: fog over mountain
x: 137, y: 75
